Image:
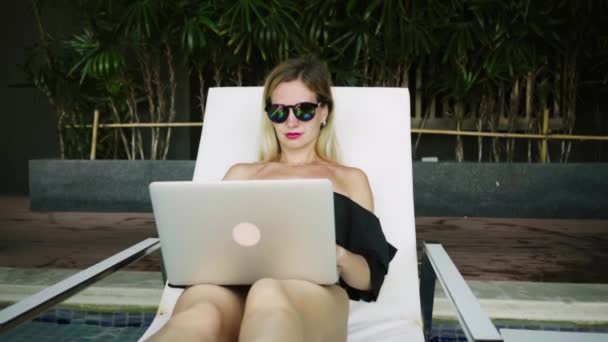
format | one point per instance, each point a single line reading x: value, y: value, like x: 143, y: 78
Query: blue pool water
x: 73, y: 325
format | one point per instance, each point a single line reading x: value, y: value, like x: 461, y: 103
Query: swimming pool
x: 77, y: 325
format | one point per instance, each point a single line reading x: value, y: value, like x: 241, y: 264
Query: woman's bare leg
x: 294, y: 310
x: 205, y: 313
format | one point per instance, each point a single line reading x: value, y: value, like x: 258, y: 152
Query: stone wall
x: 440, y: 189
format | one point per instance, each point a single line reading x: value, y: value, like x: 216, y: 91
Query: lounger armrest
x: 436, y: 264
x: 31, y: 306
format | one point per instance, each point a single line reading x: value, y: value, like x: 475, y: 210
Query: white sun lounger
x: 373, y: 128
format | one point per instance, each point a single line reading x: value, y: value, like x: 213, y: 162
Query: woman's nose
x: 292, y: 121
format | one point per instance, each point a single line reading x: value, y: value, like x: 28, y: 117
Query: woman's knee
x: 203, y: 321
x: 267, y: 292
x: 268, y: 308
x: 268, y: 295
x: 265, y: 320
x: 197, y: 293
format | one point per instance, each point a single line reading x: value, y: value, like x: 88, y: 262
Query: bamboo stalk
x: 576, y: 137
x: 510, y: 135
x: 141, y: 124
x: 418, y: 103
x: 94, y: 137
x: 543, y: 149
x: 413, y: 130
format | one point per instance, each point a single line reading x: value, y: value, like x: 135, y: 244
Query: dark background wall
x: 27, y: 123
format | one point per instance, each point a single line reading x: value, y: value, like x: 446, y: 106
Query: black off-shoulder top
x: 358, y: 230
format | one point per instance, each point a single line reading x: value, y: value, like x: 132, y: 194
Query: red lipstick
x: 292, y: 135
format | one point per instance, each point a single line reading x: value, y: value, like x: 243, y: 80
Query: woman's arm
x: 354, y: 269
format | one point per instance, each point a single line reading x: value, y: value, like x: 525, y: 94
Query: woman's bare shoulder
x: 356, y: 185
x: 243, y: 170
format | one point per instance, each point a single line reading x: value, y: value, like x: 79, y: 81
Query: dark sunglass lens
x: 305, y: 111
x: 277, y: 113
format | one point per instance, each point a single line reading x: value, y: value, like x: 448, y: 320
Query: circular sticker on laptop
x: 246, y: 234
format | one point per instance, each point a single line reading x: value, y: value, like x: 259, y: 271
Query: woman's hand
x: 341, y: 255
x: 353, y: 269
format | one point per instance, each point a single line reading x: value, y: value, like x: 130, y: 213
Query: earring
x: 323, y: 124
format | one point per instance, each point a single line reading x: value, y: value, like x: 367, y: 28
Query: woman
x: 298, y: 141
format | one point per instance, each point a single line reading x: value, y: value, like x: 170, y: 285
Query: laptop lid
x: 236, y: 232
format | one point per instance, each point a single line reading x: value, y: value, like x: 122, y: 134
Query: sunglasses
x: 304, y: 111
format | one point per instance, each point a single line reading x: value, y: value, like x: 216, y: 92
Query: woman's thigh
x: 322, y: 309
x: 229, y: 300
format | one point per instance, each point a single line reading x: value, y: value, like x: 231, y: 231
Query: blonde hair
x: 314, y: 74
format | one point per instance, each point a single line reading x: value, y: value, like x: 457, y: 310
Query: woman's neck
x: 299, y: 157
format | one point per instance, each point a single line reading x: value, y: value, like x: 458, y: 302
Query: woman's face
x: 293, y: 133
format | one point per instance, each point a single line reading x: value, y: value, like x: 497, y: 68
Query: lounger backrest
x: 373, y: 128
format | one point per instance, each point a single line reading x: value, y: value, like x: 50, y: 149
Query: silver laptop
x: 236, y: 232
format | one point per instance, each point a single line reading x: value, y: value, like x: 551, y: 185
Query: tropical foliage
x: 485, y: 65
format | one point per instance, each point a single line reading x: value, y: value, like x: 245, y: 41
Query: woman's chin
x: 294, y: 143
